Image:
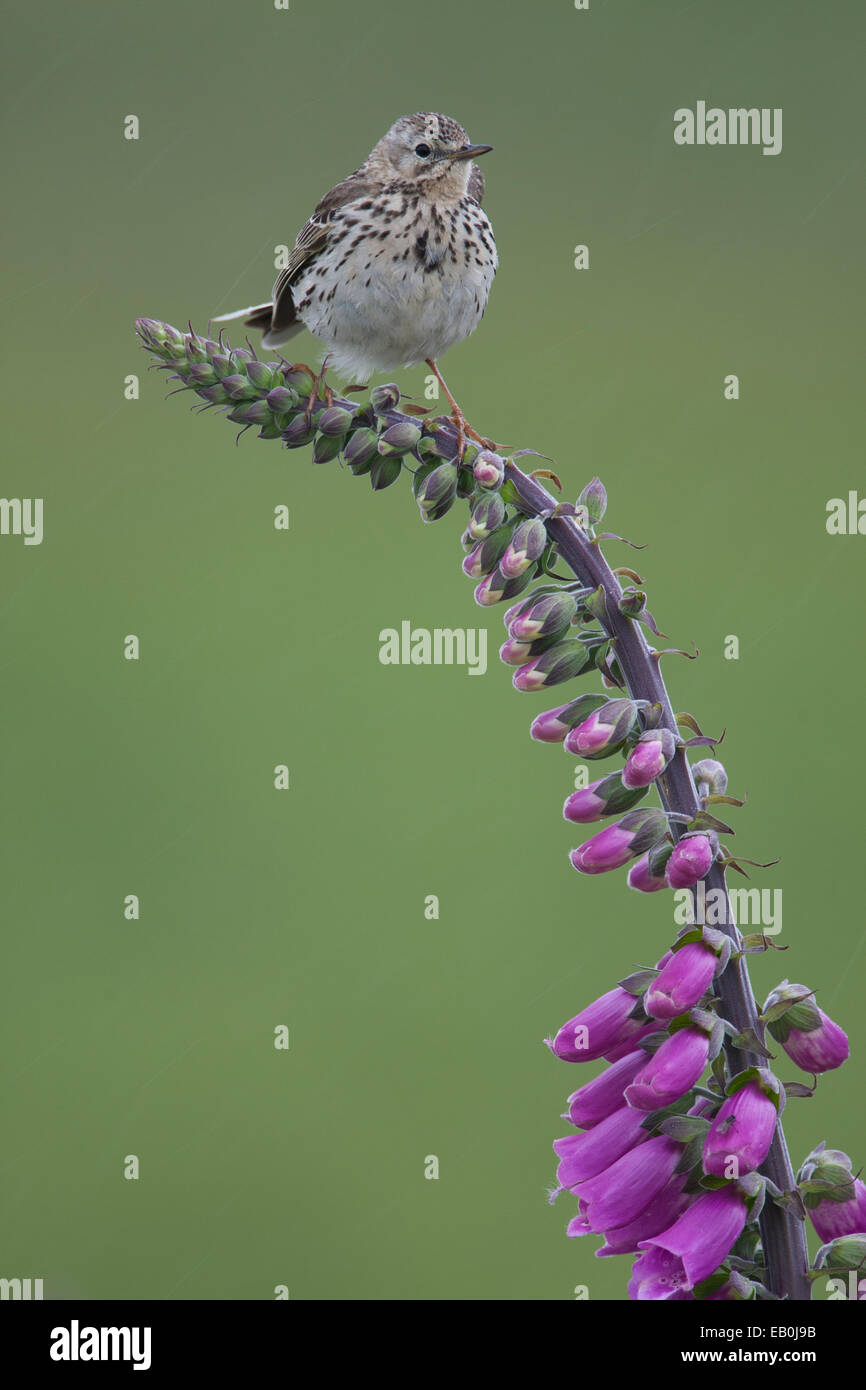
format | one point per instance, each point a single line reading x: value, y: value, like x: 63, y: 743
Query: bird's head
x: 428, y: 149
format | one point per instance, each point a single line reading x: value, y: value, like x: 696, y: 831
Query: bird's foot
x: 319, y: 384
x: 461, y: 424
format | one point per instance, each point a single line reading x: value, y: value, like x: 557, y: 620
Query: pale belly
x: 382, y: 305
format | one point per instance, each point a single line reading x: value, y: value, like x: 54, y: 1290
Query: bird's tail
x: 256, y: 316
x: 261, y: 316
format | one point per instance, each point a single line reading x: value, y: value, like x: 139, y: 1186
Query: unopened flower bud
x: 239, y: 387
x: 649, y: 758
x: 400, y: 438
x: 335, y: 421
x: 550, y: 614
x: 606, y: 797
x: 202, y: 374
x: 489, y: 469
x: 263, y: 375
x: 811, y: 1039
x: 487, y: 553
x: 690, y: 861
x: 384, y: 398
x: 526, y: 547
x: 298, y: 380
x: 561, y: 662
x: 298, y: 432
x: 257, y: 413
x: 605, y: 731
x: 487, y: 516
x: 496, y: 587
x: 709, y: 777
x: 553, y: 725
x: 632, y: 603
x: 671, y: 1071
x: 833, y: 1197
x: 614, y: 846
x: 642, y: 878
x: 594, y: 499
x: 360, y: 449
x: 440, y: 483
x: 514, y: 653
x: 282, y: 399
x: 683, y: 981
x: 221, y: 364
x: 325, y: 448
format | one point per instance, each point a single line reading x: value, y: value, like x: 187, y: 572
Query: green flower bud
x: 441, y: 508
x: 282, y: 399
x: 384, y: 398
x: 632, y: 603
x: 399, y: 439
x: 487, y: 516
x: 360, y: 450
x: 561, y: 662
x: 594, y: 499
x: 196, y: 350
x: 385, y: 471
x: 496, y: 587
x: 325, y: 448
x: 221, y: 364
x: 439, y: 483
x: 160, y: 338
x: 335, y: 421
x: 487, y: 553
x: 299, y: 381
x: 549, y: 614
x: 202, y: 374
x: 527, y: 546
x: 298, y: 432
x: 263, y: 375
x: 257, y: 413
x: 217, y: 395
x: 239, y: 388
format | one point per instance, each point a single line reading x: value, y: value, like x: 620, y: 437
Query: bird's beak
x: 472, y: 151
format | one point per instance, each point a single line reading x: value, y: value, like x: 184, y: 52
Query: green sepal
x: 638, y: 982
x: 684, y: 1128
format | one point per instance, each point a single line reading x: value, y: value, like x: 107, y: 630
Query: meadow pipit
x: 395, y: 265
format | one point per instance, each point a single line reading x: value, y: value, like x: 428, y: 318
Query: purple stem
x: 783, y: 1233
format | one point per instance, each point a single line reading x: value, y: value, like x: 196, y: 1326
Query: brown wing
x: 475, y: 187
x: 312, y: 237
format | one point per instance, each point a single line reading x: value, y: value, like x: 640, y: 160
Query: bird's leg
x: 318, y: 380
x: 462, y: 424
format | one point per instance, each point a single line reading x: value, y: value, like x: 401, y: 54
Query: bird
x: 396, y: 263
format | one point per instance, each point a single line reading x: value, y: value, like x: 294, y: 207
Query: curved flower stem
x: 782, y: 1232
x: 276, y: 399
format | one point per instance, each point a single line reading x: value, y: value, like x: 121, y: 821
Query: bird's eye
x: 422, y: 150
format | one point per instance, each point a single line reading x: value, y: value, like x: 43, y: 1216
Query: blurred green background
x: 306, y: 908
